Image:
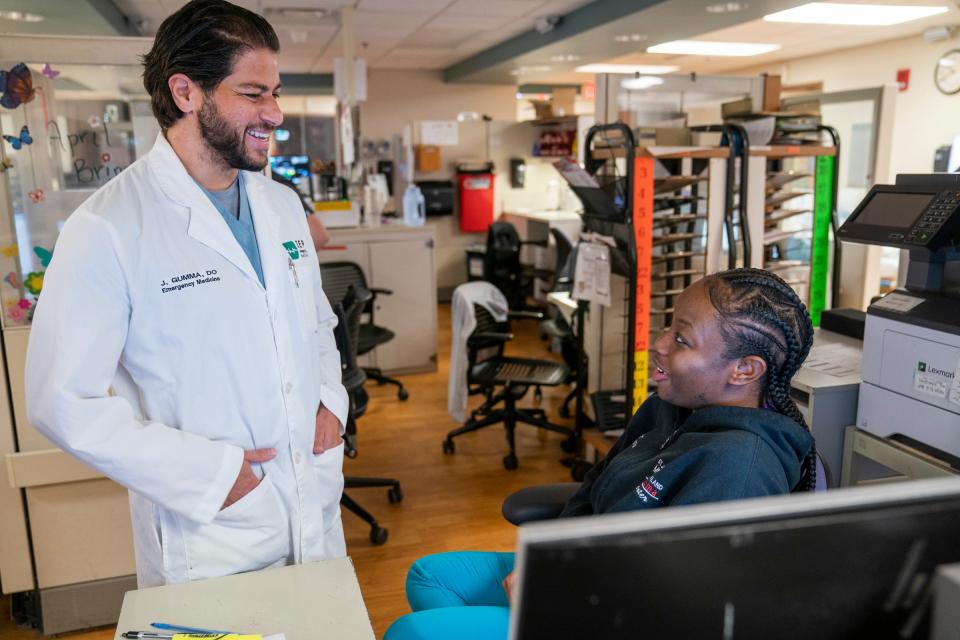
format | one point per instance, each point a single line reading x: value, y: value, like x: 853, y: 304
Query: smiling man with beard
x: 183, y: 345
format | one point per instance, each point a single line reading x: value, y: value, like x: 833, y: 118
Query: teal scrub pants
x: 456, y: 594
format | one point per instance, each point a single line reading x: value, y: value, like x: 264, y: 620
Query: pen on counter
x: 166, y: 626
x: 144, y: 635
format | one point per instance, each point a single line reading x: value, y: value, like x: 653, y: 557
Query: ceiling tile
x: 509, y: 8
x: 563, y: 7
x: 393, y: 62
x: 426, y: 53
x: 485, y: 22
x: 403, y: 5
x: 439, y: 37
x: 266, y: 5
x: 406, y: 19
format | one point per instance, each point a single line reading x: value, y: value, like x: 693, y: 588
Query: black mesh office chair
x: 556, y: 326
x: 488, y: 369
x: 348, y: 312
x: 337, y: 277
x: 546, y: 501
x: 502, y: 267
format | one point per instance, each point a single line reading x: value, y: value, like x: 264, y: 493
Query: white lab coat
x: 463, y: 322
x: 157, y: 357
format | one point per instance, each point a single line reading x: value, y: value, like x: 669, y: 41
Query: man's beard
x: 224, y: 141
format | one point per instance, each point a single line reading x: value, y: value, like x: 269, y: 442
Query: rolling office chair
x: 348, y: 312
x: 502, y: 267
x: 546, y: 501
x: 556, y: 327
x: 488, y: 370
x: 337, y: 277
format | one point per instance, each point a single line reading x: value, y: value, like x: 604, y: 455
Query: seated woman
x: 722, y: 426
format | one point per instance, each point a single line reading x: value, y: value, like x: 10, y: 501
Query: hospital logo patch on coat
x: 296, y: 249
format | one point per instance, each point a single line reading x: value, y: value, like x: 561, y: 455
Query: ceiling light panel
x: 651, y: 69
x: 719, y: 49
x: 866, y: 15
x: 643, y: 82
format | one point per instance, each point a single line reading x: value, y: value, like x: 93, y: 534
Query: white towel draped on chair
x: 463, y: 323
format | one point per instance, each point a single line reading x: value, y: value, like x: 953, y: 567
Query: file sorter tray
x: 675, y: 183
x: 673, y: 238
x: 782, y: 214
x: 610, y: 408
x: 772, y: 237
x: 677, y: 273
x: 779, y: 180
x: 672, y: 219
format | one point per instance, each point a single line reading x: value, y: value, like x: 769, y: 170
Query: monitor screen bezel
x: 706, y: 520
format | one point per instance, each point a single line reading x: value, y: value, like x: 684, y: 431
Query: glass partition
x: 66, y: 132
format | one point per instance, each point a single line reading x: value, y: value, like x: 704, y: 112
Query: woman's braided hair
x: 764, y: 316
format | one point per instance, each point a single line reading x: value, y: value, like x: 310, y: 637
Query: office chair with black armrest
x: 556, y: 327
x: 546, y: 501
x: 502, y: 266
x: 336, y: 278
x: 348, y: 312
x: 488, y: 369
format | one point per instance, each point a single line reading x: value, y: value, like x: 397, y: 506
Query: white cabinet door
x: 406, y: 268
x: 356, y: 252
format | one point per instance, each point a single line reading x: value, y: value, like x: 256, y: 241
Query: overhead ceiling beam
x: 583, y: 19
x: 73, y: 49
x: 307, y: 84
x: 109, y: 11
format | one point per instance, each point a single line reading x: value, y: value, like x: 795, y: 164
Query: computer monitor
x: 848, y: 563
x: 296, y: 169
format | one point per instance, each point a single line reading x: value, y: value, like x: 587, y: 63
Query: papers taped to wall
x: 592, y: 273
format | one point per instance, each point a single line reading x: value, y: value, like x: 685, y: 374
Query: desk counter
x: 304, y: 602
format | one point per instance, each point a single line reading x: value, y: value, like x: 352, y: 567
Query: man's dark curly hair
x: 202, y: 41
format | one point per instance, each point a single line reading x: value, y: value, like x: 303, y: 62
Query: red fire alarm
x: 903, y: 79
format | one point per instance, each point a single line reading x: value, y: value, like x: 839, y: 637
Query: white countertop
x: 304, y: 602
x: 545, y: 215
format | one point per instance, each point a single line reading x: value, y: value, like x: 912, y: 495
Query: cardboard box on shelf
x: 771, y: 92
x: 664, y: 136
x: 543, y: 110
x: 736, y: 108
x: 564, y: 99
x: 428, y: 158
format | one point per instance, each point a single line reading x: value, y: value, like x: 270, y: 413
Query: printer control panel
x: 934, y: 217
x: 906, y: 216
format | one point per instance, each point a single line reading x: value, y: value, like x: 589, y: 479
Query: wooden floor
x: 450, y: 502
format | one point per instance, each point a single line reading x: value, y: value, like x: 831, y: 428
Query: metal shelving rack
x: 669, y: 210
x: 799, y: 203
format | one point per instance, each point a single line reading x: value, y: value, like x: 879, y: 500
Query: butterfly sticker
x: 49, y: 71
x: 16, y: 86
x: 11, y: 279
x: 36, y: 197
x: 44, y: 255
x: 18, y: 141
x: 10, y: 251
x: 5, y: 164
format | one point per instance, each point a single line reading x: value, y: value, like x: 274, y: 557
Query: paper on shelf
x: 837, y: 360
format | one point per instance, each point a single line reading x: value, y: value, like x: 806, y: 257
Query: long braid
x: 765, y: 317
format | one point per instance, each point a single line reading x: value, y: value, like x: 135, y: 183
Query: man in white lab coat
x: 183, y: 345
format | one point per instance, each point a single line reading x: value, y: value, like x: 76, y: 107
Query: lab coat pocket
x: 327, y: 541
x: 250, y: 534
